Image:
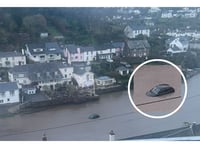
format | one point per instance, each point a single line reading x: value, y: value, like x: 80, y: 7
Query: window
x: 87, y: 77
x: 65, y: 76
x: 3, y: 94
x: 42, y: 57
x: 8, y: 99
x: 1, y: 101
x: 12, y: 93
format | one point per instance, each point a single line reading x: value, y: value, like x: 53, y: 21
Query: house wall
x: 43, y: 57
x: 30, y: 91
x: 12, y: 61
x: 67, y: 73
x: 89, y: 56
x: 20, y: 78
x: 105, y: 82
x: 49, y: 85
x: 9, y: 97
x: 85, y: 80
x: 143, y: 32
x: 139, y: 53
x: 124, y: 72
x: 132, y: 33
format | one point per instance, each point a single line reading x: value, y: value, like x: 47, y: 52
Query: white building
x: 42, y: 74
x: 11, y: 59
x: 9, y: 93
x: 178, y: 45
x: 44, y: 52
x: 135, y: 30
x: 29, y: 89
x: 123, y: 71
x: 189, y: 33
x: 83, y: 75
x: 75, y: 53
x: 104, y: 81
x: 167, y: 14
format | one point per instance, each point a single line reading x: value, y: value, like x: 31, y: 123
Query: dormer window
x: 38, y: 50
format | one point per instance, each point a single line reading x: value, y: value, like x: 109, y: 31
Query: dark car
x: 94, y: 116
x: 159, y: 90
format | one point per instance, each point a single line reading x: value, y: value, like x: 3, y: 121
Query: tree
x: 35, y: 23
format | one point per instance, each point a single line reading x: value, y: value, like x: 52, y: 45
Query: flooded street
x: 70, y: 122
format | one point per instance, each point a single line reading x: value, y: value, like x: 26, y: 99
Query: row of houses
x: 177, y: 45
x: 48, y: 52
x: 29, y: 78
x: 51, y: 65
x: 181, y: 33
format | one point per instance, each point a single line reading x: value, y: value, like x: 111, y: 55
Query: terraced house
x: 76, y: 53
x: 11, y: 59
x: 42, y: 74
x: 43, y: 52
x: 9, y: 92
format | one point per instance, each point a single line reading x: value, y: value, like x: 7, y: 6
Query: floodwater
x: 70, y: 122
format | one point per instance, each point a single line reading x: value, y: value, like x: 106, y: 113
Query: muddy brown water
x: 70, y: 122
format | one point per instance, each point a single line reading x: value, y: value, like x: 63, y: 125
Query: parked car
x: 159, y: 90
x: 94, y: 116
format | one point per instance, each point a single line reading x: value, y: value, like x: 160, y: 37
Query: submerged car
x: 159, y: 90
x: 94, y: 116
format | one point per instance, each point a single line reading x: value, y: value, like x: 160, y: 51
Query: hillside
x: 78, y: 25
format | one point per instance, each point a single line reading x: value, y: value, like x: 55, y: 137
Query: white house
x: 181, y: 33
x: 123, y: 71
x: 76, y: 53
x: 104, y: 81
x: 178, y: 45
x: 135, y: 30
x: 154, y: 10
x: 45, y: 52
x: 11, y: 59
x: 9, y: 92
x: 83, y: 76
x: 167, y: 14
x: 29, y: 89
x: 42, y: 74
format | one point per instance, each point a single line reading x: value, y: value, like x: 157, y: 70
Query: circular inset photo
x: 159, y: 88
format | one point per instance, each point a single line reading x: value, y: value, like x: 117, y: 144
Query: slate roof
x: 8, y: 86
x: 10, y: 54
x: 47, y: 48
x: 178, y: 132
x: 73, y: 48
x: 104, y: 78
x: 138, y: 44
x: 46, y: 71
x: 110, y: 45
x: 79, y: 70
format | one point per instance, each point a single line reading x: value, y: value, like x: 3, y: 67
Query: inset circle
x: 157, y: 116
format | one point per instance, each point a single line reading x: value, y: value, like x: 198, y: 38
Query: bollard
x: 111, y: 136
